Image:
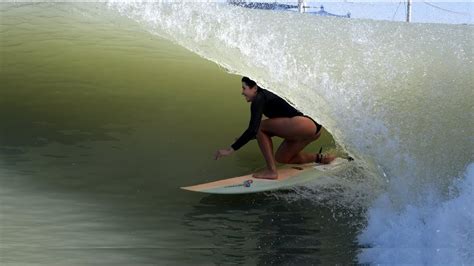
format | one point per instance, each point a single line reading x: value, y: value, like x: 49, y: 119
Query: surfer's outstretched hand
x: 223, y: 152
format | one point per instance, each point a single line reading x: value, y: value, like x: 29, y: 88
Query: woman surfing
x: 283, y: 121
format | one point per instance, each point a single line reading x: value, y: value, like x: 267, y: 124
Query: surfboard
x: 288, y: 176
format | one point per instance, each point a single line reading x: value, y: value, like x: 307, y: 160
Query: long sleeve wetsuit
x: 271, y: 106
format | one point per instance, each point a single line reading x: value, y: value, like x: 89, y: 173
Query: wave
x: 397, y: 96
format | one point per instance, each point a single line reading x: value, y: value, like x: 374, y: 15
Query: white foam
x: 432, y: 232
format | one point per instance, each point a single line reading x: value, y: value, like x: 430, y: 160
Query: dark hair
x: 249, y: 82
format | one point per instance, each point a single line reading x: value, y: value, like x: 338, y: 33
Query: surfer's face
x: 249, y: 92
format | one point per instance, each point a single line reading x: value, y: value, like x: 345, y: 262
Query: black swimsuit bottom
x: 268, y: 104
x: 318, y: 126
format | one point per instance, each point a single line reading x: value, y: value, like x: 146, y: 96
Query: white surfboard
x: 288, y: 176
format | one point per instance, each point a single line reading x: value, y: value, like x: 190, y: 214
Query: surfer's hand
x: 223, y: 152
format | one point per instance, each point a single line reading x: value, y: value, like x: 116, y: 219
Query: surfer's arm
x: 256, y: 112
x: 223, y: 152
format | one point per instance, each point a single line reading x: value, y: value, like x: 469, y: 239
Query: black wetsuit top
x: 271, y: 106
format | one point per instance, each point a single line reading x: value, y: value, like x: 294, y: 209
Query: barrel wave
x: 396, y: 96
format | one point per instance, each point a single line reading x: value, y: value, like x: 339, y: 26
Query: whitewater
x: 396, y: 96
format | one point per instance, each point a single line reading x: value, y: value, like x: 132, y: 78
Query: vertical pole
x: 301, y: 6
x: 408, y: 10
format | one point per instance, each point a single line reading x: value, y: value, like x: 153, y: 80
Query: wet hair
x: 250, y: 83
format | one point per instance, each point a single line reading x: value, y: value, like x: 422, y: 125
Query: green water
x: 101, y: 123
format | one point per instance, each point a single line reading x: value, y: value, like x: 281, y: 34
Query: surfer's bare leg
x: 266, y: 147
x: 290, y: 152
x: 298, y: 131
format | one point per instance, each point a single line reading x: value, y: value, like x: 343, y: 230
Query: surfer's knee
x: 262, y: 133
x: 263, y: 127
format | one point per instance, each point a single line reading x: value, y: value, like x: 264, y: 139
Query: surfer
x: 284, y: 121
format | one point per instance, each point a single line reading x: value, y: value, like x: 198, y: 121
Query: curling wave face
x: 397, y: 96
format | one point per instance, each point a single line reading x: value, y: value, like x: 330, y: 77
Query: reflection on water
x: 98, y: 133
x: 266, y: 229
